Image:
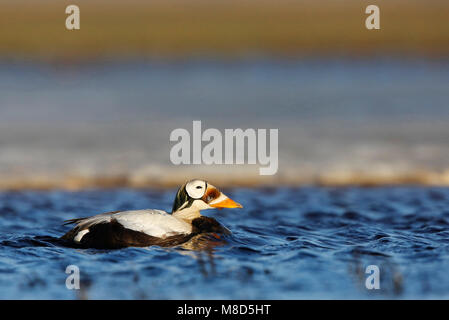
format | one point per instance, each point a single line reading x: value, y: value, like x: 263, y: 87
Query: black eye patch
x: 199, y: 187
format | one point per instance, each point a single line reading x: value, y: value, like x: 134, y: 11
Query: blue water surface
x: 286, y: 243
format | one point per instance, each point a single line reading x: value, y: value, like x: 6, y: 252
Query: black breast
x: 207, y: 225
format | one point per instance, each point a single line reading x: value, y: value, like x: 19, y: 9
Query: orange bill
x: 226, y: 203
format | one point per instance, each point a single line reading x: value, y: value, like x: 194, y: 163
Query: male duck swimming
x: 142, y: 228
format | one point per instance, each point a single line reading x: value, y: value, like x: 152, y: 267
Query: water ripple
x: 286, y: 243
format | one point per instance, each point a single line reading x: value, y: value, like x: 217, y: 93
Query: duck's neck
x: 187, y: 214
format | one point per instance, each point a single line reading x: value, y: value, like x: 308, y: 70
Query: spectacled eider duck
x: 142, y: 228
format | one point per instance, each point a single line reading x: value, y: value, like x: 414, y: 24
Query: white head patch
x: 196, y: 188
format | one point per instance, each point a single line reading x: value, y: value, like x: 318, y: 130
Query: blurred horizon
x: 226, y: 29
x: 94, y: 107
x: 340, y: 122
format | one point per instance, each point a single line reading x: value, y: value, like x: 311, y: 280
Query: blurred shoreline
x: 341, y: 121
x: 94, y: 108
x: 228, y: 179
x: 232, y: 29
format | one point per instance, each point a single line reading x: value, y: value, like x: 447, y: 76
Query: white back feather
x: 156, y: 223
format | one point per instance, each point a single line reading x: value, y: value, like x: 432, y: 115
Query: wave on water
x: 287, y: 243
